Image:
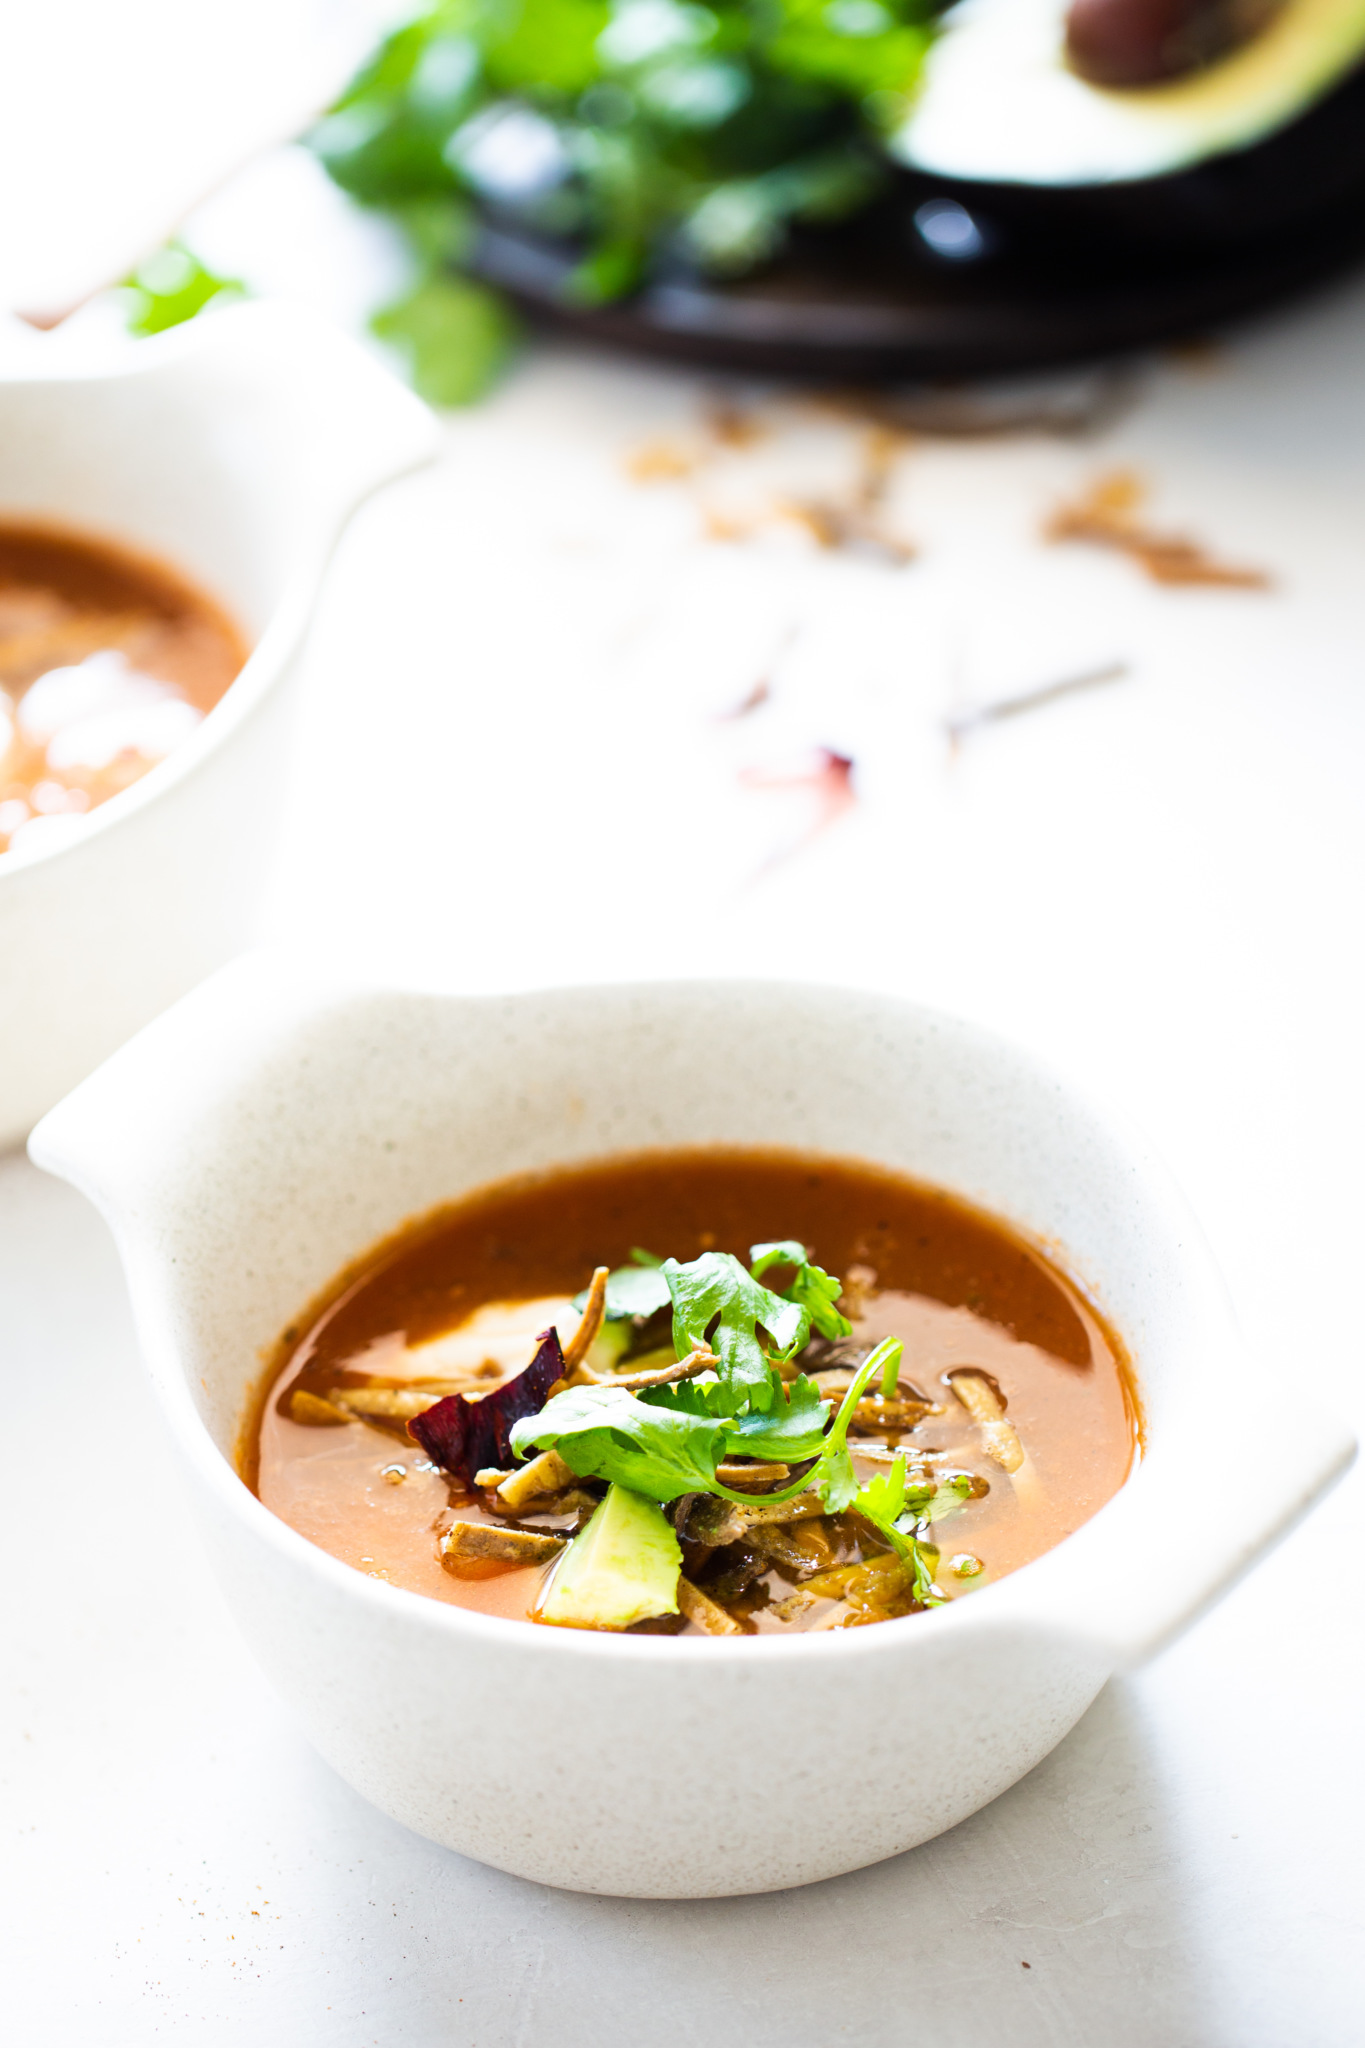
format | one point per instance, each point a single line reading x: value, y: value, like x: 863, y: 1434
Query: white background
x: 515, y: 768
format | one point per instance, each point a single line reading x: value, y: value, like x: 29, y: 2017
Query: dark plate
x: 853, y: 310
x: 1056, y: 277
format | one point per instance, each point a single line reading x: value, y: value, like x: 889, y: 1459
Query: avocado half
x: 1035, y: 218
x: 999, y: 103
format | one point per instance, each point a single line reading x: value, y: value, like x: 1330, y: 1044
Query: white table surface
x: 514, y: 770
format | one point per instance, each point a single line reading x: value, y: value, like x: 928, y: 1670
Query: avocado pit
x: 1127, y: 43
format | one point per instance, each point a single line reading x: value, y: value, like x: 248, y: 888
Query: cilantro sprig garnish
x: 904, y: 1512
x: 669, y: 1440
x: 716, y: 1301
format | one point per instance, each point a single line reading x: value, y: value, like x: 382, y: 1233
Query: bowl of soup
x: 164, y: 526
x: 680, y: 1439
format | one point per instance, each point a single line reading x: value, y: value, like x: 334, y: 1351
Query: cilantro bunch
x: 670, y: 1440
x: 652, y: 134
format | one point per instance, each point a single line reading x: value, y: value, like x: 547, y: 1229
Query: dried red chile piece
x: 465, y: 1437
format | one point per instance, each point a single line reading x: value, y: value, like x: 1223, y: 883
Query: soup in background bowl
x: 108, y: 662
x: 166, y: 525
x: 264, y: 1136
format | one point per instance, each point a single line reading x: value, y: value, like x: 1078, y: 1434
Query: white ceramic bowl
x: 234, y: 449
x: 270, y: 1128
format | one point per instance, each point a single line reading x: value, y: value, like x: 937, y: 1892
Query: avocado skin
x: 1294, y: 177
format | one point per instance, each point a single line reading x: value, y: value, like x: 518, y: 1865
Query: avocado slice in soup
x: 622, y: 1567
x: 1100, y: 92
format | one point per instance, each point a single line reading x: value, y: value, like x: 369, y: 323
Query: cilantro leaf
x: 836, y: 1479
x: 791, y: 1429
x: 705, y: 1395
x: 817, y: 1291
x: 945, y: 1498
x: 453, y: 335
x: 173, y: 286
x: 883, y: 1501
x: 813, y: 1289
x: 606, y: 1433
x: 788, y: 1251
x: 715, y: 1289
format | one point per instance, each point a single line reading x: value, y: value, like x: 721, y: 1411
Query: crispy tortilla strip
x: 386, y: 1404
x: 721, y: 1521
x: 576, y: 1501
x: 918, y: 1463
x: 732, y: 1473
x: 704, y: 1613
x: 793, y: 1604
x: 684, y: 1369
x: 800, y: 1549
x: 508, y: 1546
x: 893, y: 1415
x: 313, y: 1410
x: 584, y: 1337
x: 546, y: 1474
x: 579, y: 1373
x: 905, y: 1411
x: 982, y: 1400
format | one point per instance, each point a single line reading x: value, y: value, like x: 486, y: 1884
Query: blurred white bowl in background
x: 234, y: 450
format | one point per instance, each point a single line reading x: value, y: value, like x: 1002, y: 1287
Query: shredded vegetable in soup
x: 700, y: 1393
x: 107, y: 662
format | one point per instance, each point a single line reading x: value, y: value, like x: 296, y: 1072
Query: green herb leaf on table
x: 453, y: 335
x: 172, y: 287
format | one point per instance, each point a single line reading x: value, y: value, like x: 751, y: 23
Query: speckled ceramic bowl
x: 235, y: 450
x: 272, y: 1127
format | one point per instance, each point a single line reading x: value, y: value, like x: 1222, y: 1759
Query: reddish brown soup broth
x: 954, y: 1284
x: 154, y: 639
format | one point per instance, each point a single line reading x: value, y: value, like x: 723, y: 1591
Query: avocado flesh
x: 998, y: 103
x: 621, y: 1568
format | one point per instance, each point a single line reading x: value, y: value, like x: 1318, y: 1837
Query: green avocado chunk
x: 621, y: 1568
